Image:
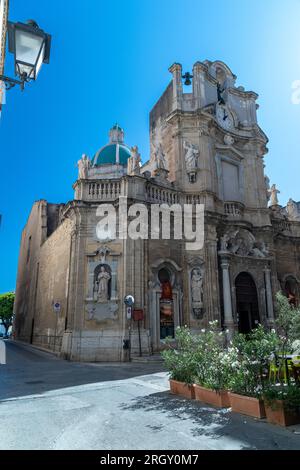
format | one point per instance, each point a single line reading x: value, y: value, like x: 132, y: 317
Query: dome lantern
x: 116, y: 134
x: 116, y: 152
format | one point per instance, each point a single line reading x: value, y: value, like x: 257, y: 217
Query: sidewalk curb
x: 39, y: 348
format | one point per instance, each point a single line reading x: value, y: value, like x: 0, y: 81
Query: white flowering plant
x: 179, y: 357
x: 287, y: 322
x: 288, y: 394
x: 249, y: 373
x: 212, y: 359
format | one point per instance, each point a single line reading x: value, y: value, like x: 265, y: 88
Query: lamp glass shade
x: 29, y: 52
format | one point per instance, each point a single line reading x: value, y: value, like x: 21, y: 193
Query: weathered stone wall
x: 53, y: 287
x: 287, y: 258
x: 32, y: 238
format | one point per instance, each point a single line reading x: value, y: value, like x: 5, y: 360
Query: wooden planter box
x: 278, y: 414
x: 247, y: 405
x: 182, y: 389
x: 211, y: 397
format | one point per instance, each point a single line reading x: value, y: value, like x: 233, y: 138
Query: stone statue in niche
x: 83, y: 166
x: 103, y: 279
x: 224, y: 242
x: 292, y: 210
x: 191, y: 156
x: 160, y: 158
x: 197, y: 286
x: 274, y: 195
x: 197, y: 292
x: 133, y: 163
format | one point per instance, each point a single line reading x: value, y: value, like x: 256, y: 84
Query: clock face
x: 224, y: 118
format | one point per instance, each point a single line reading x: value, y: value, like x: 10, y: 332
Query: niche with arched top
x: 98, y: 270
x: 291, y: 289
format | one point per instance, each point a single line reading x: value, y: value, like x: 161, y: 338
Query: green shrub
x: 211, y: 359
x: 179, y: 359
x: 249, y: 373
x: 290, y: 394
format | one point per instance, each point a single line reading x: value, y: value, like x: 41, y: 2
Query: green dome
x: 117, y: 127
x: 112, y: 154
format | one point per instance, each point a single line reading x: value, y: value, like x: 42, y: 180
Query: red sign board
x: 138, y: 314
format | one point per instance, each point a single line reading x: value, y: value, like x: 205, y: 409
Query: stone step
x: 148, y: 359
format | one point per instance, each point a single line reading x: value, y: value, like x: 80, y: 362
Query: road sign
x: 129, y: 300
x: 56, y: 307
x: 138, y: 314
x: 128, y: 313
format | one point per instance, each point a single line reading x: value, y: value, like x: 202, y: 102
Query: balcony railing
x: 233, y: 209
x: 105, y: 190
x: 159, y: 195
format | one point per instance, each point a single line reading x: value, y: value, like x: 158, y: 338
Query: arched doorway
x: 165, y: 301
x: 246, y: 303
x: 292, y: 290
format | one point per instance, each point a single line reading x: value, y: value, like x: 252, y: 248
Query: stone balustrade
x: 193, y: 199
x: 233, y: 209
x: 158, y: 195
x: 104, y: 190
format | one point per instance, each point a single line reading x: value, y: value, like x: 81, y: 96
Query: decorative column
x: 228, y: 317
x: 267, y: 273
x: 176, y: 70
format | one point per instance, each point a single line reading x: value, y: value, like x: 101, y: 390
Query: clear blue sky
x: 110, y: 62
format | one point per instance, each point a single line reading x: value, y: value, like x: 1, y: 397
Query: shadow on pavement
x: 30, y: 371
x: 217, y: 424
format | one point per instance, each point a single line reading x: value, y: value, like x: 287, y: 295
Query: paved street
x: 47, y: 403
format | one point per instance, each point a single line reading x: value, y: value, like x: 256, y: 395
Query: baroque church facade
x: 206, y: 147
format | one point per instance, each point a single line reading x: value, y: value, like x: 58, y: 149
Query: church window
x: 230, y: 180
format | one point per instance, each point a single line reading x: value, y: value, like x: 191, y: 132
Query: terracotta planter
x: 211, y: 397
x: 182, y: 389
x: 277, y: 414
x: 247, y: 405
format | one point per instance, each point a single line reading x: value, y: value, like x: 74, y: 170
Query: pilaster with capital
x: 212, y: 296
x: 198, y: 83
x: 269, y: 297
x: 227, y: 300
x: 176, y: 70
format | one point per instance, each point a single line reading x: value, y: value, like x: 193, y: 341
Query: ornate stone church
x: 206, y: 147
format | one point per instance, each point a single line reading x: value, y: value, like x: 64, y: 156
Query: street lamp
x: 31, y: 48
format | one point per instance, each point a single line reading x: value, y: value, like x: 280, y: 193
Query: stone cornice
x: 243, y: 94
x: 227, y: 148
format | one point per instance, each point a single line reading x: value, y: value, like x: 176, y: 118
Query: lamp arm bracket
x: 11, y: 82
